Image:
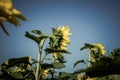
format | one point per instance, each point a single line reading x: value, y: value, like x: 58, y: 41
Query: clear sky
x: 91, y: 21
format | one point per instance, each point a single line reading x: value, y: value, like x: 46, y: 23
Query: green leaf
x: 48, y: 59
x: 61, y: 59
x: 115, y: 53
x: 34, y: 61
x: 38, y: 32
x: 79, y: 61
x: 43, y: 37
x: 14, y: 61
x: 103, y: 67
x: 17, y: 75
x: 80, y: 71
x: 46, y: 66
x: 86, y: 46
x: 49, y: 50
x: 58, y: 65
x: 17, y: 68
x: 67, y: 76
x: 30, y: 36
x: 73, y: 77
x: 37, y: 39
x: 64, y: 74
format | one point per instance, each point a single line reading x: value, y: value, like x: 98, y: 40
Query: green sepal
x: 68, y: 76
x: 16, y: 75
x: 46, y: 66
x: 49, y: 50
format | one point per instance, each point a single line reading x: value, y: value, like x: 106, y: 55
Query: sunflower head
x: 60, y: 39
x: 101, y: 48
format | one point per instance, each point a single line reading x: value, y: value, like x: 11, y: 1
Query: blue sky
x: 91, y: 21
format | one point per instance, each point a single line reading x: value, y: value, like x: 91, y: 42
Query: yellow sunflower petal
x: 62, y: 28
x: 55, y: 55
x: 63, y: 44
x: 59, y: 28
x: 63, y: 47
x: 6, y: 4
x: 66, y: 41
x: 45, y: 72
x: 103, y: 52
x: 100, y: 46
x: 15, y: 11
x: 9, y: 12
x: 66, y: 33
x: 65, y: 28
x: 66, y: 38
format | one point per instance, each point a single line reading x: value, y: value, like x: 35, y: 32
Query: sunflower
x: 65, y: 40
x: 101, y: 48
x: 45, y: 73
x: 60, y: 39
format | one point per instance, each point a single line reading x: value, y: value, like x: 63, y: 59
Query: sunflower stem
x: 89, y: 57
x: 43, y: 58
x: 38, y: 71
x: 53, y: 69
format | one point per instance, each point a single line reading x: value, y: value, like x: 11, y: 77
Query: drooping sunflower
x: 101, y: 48
x: 60, y: 39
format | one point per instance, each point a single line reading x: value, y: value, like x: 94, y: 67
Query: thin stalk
x: 40, y: 47
x: 89, y: 58
x: 53, y: 69
x: 38, y: 66
x: 43, y: 58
